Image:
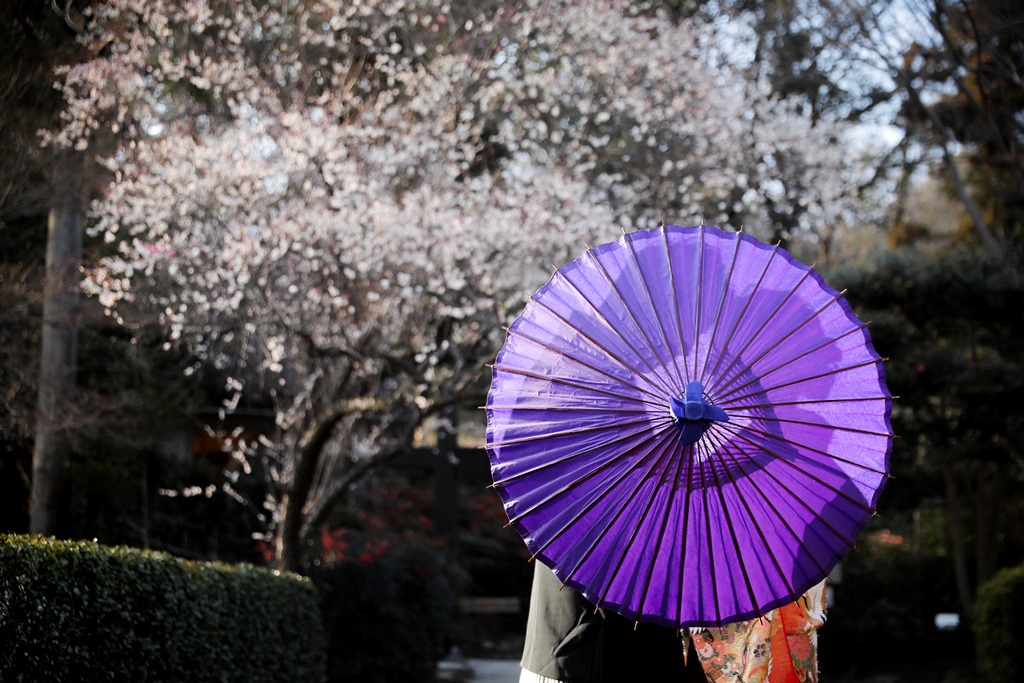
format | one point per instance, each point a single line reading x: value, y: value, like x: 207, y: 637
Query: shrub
x: 998, y: 623
x: 387, y: 613
x: 79, y: 611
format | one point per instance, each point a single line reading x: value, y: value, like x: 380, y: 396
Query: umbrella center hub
x: 693, y: 414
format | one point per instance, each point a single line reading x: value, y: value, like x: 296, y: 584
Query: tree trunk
x: 986, y: 531
x: 958, y: 538
x: 945, y: 141
x: 288, y: 543
x: 58, y: 359
x: 294, y: 516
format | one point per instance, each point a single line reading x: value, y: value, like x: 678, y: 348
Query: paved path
x: 494, y: 670
x: 471, y: 670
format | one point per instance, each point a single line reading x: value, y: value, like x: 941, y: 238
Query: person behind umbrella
x: 568, y: 641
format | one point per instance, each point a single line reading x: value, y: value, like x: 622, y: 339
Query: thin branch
x: 356, y: 354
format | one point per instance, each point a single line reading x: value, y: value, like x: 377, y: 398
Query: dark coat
x: 568, y: 640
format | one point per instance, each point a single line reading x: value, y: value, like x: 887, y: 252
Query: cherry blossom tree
x: 341, y: 203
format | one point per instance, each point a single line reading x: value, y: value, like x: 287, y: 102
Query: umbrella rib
x: 838, y: 427
x: 721, y: 304
x: 661, y: 533
x: 635, y: 531
x: 569, y: 432
x: 566, y: 408
x: 805, y: 402
x: 712, y: 454
x: 636, y: 371
x: 764, y: 324
x: 760, y: 376
x: 812, y: 449
x: 780, y: 515
x: 746, y: 307
x: 856, y: 366
x: 790, y: 360
x: 700, y: 302
x: 570, y: 383
x: 575, y: 454
x: 722, y: 452
x: 616, y: 331
x: 618, y: 293
x: 586, y: 476
x: 711, y: 554
x: 849, y: 544
x: 675, y: 298
x: 657, y: 318
x: 780, y: 341
x: 809, y: 475
x: 584, y: 363
x: 689, y: 454
x: 665, y: 438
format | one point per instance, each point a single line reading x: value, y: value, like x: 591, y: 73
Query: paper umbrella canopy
x: 688, y: 426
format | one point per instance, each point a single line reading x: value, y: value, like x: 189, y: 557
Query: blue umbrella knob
x: 693, y: 415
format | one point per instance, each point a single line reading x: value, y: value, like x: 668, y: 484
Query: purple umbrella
x: 688, y: 426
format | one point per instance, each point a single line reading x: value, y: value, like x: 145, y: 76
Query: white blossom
x: 392, y: 177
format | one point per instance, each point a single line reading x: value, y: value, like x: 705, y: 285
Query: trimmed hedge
x: 80, y: 611
x: 998, y: 624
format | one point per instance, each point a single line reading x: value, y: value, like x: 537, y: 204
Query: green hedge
x: 998, y: 624
x: 79, y: 611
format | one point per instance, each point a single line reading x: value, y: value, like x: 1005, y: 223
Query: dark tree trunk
x: 958, y: 538
x: 288, y: 543
x: 58, y: 359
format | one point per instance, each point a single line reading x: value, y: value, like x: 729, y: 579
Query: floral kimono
x: 780, y: 647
